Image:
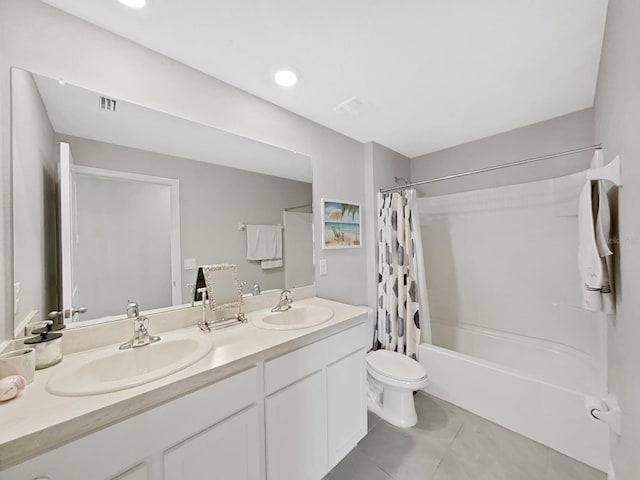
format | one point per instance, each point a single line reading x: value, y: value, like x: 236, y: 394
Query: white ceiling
x: 74, y: 111
x: 430, y: 73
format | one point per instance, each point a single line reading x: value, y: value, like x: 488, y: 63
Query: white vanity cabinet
x: 216, y: 428
x: 315, y: 409
x: 289, y: 418
x: 229, y: 449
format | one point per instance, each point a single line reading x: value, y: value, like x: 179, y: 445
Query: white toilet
x: 392, y: 379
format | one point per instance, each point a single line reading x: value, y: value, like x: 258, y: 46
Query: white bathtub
x: 540, y: 394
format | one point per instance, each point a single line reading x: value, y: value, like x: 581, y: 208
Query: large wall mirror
x: 115, y: 202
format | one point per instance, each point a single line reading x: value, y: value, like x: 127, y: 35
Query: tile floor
x: 449, y: 443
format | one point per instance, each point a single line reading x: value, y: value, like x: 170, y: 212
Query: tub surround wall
x: 42, y: 39
x: 503, y: 260
x: 617, y: 119
x: 503, y: 286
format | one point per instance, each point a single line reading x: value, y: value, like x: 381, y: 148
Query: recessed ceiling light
x: 286, y: 77
x: 133, y: 3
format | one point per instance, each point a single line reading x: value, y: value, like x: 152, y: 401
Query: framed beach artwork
x: 341, y: 224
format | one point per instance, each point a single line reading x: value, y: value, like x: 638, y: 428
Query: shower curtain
x: 403, y: 313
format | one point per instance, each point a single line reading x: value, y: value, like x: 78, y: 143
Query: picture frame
x: 341, y: 224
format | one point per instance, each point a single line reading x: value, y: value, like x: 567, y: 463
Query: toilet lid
x: 396, y: 365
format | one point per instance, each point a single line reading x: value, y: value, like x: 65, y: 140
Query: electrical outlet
x: 323, y: 266
x: 16, y: 297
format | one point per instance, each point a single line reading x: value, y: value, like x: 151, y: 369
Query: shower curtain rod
x: 489, y: 169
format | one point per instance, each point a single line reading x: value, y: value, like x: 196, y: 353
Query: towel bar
x: 243, y: 226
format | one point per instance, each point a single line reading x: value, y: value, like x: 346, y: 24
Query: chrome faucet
x: 141, y: 335
x: 133, y: 310
x: 255, y: 289
x: 285, y: 302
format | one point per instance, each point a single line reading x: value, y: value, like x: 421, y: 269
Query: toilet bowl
x: 392, y: 379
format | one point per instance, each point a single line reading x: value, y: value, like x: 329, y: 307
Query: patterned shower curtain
x: 403, y: 314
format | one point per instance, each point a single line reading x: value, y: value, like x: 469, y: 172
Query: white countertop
x: 38, y: 421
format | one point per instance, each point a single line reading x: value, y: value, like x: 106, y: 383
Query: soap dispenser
x: 48, y: 346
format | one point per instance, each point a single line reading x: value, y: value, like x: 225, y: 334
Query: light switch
x: 323, y: 266
x: 190, y: 264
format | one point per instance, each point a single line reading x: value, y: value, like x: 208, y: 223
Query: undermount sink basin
x: 299, y: 316
x: 110, y: 369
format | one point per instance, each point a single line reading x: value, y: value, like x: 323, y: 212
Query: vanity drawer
x: 289, y: 368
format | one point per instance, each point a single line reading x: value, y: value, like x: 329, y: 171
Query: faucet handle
x: 141, y: 324
x: 285, y: 296
x: 133, y: 310
x: 141, y: 335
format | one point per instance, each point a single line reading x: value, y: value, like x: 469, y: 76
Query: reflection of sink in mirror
x: 299, y: 316
x: 135, y: 173
x: 109, y: 369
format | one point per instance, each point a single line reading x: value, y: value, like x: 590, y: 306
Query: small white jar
x: 19, y: 362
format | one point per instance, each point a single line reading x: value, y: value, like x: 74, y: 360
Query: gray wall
x: 213, y: 199
x: 34, y: 183
x: 558, y: 134
x: 42, y: 39
x: 617, y: 120
x: 298, y: 249
x: 382, y: 166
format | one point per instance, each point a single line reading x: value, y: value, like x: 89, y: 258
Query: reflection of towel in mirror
x: 273, y: 263
x: 595, y: 256
x: 264, y: 242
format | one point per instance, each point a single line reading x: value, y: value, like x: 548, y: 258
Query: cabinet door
x: 228, y: 450
x: 347, y: 404
x: 296, y: 430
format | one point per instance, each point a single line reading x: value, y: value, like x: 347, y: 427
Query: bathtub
x: 540, y: 394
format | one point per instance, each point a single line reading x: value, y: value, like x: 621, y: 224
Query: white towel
x: 273, y: 263
x: 264, y: 242
x: 593, y: 249
x: 603, y: 237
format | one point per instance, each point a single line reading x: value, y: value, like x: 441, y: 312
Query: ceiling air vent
x: 106, y: 103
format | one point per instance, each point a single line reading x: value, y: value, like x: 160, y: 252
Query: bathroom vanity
x: 280, y: 396
x: 261, y: 405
